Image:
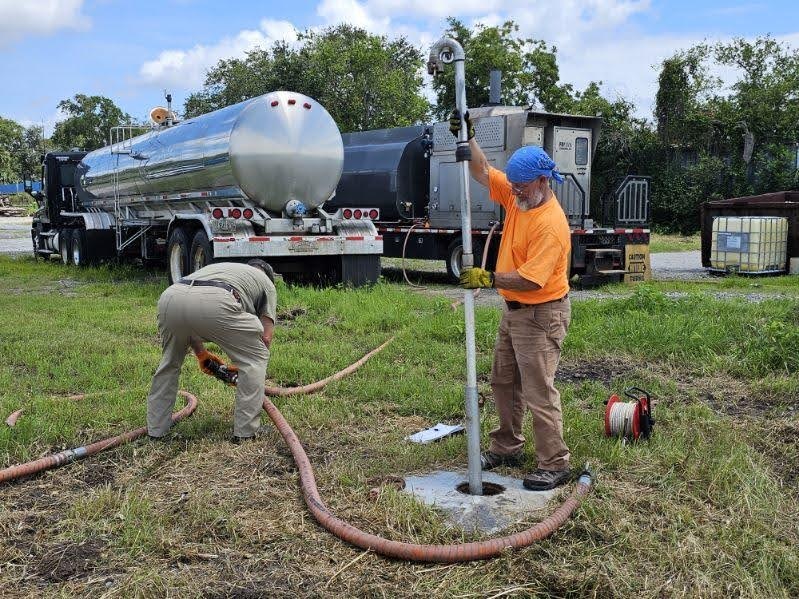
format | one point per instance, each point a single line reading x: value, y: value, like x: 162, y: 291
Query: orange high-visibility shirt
x: 536, y: 243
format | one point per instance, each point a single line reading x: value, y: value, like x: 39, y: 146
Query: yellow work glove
x: 206, y: 360
x: 475, y: 278
x: 455, y: 124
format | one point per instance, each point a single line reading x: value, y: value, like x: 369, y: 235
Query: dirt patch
x: 95, y: 475
x: 604, y: 370
x: 261, y: 588
x: 733, y: 397
x: 69, y: 561
x: 290, y: 314
x: 779, y: 443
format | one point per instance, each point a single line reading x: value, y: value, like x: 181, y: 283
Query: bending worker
x: 232, y: 305
x: 531, y: 276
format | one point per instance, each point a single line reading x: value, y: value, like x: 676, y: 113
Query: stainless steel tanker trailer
x: 406, y: 180
x: 244, y: 181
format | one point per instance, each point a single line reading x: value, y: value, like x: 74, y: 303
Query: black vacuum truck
x: 406, y: 181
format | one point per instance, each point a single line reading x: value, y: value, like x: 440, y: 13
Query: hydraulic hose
x: 71, y: 455
x: 314, y: 387
x: 454, y: 305
x: 396, y: 549
x: 462, y: 552
x: 404, y: 246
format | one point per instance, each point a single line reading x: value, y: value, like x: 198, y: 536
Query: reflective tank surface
x: 271, y: 149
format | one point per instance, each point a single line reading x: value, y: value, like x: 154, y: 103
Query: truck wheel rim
x: 175, y: 262
x: 198, y: 259
x: 455, y: 261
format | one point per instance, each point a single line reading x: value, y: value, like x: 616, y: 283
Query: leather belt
x: 513, y: 305
x: 220, y: 284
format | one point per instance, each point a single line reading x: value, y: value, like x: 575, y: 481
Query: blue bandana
x: 530, y: 162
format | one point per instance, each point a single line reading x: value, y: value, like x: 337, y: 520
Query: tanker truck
x: 406, y: 180
x: 245, y: 181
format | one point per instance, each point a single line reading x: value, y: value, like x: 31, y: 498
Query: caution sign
x: 636, y: 263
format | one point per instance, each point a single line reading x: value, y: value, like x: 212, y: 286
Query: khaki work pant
x: 526, y: 356
x: 211, y: 314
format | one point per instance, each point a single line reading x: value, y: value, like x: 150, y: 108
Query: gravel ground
x: 670, y: 266
x: 432, y: 276
x: 15, y: 235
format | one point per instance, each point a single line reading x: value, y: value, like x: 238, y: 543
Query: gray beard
x: 529, y: 204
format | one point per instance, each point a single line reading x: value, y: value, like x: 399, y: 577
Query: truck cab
x: 56, y: 198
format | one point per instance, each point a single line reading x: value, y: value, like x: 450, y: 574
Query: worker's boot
x: 544, y: 480
x: 490, y: 460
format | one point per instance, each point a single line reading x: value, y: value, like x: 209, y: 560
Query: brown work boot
x: 490, y: 460
x: 544, y: 480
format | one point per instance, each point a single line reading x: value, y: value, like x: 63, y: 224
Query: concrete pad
x: 486, y: 513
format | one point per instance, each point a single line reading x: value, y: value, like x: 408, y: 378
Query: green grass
x: 786, y: 285
x: 706, y: 508
x: 661, y: 242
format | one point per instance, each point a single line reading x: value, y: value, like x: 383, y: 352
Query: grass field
x: 707, y: 508
x: 659, y: 242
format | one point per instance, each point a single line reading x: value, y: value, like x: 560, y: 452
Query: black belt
x: 513, y: 305
x: 220, y: 284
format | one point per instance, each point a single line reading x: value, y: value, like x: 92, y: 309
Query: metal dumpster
x: 781, y: 204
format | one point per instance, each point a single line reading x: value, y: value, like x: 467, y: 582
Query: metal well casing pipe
x: 444, y: 51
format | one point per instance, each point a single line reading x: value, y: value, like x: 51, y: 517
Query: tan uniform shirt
x: 257, y: 292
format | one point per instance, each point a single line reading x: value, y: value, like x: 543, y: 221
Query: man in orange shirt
x: 531, y: 275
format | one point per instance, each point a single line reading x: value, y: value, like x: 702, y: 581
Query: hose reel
x: 629, y: 420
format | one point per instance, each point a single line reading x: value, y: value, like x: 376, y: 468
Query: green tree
x: 88, y: 123
x: 626, y: 145
x: 20, y: 151
x: 11, y: 147
x: 530, y: 74
x: 365, y: 81
x: 724, y: 138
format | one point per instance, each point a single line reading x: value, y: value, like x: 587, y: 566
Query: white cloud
x: 46, y: 122
x: 627, y: 67
x: 19, y: 18
x: 352, y: 12
x: 597, y: 13
x: 597, y: 40
x: 187, y: 68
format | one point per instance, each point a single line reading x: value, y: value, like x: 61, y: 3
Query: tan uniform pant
x: 526, y: 356
x: 211, y: 314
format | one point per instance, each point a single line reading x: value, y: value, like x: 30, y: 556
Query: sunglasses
x: 519, y: 188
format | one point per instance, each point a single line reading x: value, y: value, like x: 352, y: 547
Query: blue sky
x: 132, y: 51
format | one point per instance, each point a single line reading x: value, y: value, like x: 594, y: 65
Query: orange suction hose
x: 463, y: 552
x: 71, y: 455
x: 396, y: 549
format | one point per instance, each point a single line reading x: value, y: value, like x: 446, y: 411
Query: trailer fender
x: 192, y: 221
x: 101, y: 221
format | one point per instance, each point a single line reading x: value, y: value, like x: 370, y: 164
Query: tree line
x: 710, y: 136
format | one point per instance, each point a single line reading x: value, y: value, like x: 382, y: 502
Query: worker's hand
x: 475, y: 278
x: 231, y: 374
x: 455, y: 124
x: 205, y: 360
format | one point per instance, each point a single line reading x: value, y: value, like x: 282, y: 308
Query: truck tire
x: 177, y: 255
x: 201, y: 253
x: 65, y: 245
x: 36, y: 230
x: 79, y: 249
x: 455, y: 253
